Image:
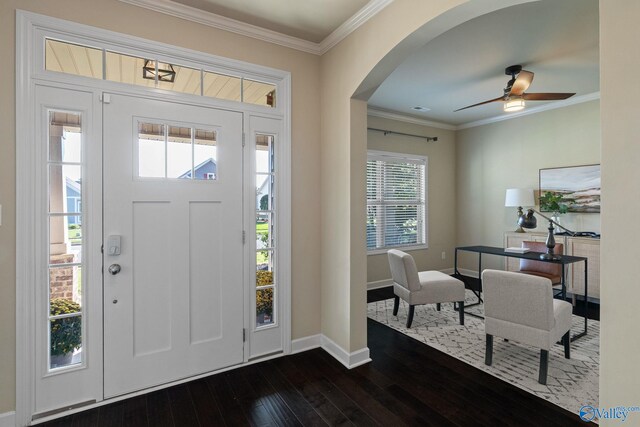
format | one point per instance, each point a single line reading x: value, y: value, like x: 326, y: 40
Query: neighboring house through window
x: 396, y: 201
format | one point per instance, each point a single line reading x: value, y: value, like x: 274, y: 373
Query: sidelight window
x: 265, y: 225
x: 66, y: 240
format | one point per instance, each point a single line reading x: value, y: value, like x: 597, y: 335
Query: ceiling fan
x: 514, y: 94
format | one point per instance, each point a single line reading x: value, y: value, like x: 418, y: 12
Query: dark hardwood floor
x: 408, y: 383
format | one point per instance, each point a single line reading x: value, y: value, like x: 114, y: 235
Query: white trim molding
x: 349, y: 360
x: 192, y: 14
x: 306, y: 343
x: 392, y: 115
x: 8, y: 419
x: 379, y: 284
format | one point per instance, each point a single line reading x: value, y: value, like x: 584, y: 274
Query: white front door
x: 173, y: 226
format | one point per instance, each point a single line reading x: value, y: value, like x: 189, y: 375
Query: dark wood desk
x: 563, y: 260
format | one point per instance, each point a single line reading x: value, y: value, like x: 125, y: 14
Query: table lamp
x: 528, y: 220
x: 519, y: 197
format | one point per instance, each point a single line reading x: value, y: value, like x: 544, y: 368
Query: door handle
x: 114, y: 269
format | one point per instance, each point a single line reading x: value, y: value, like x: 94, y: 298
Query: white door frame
x: 31, y: 29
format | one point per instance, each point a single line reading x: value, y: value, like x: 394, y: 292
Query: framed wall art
x: 578, y: 187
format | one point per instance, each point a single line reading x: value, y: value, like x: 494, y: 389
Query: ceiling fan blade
x: 522, y: 83
x: 480, y: 103
x: 546, y: 96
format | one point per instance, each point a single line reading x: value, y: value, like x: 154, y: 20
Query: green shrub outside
x: 66, y: 333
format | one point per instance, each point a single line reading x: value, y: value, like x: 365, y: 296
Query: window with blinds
x: 396, y: 201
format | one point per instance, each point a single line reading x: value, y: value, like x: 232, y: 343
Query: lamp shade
x: 519, y: 197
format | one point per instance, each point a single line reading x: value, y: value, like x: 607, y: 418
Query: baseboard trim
x: 349, y: 360
x: 306, y: 343
x: 379, y: 284
x: 8, y: 419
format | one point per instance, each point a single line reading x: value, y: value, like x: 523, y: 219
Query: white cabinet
x: 576, y: 246
x: 590, y: 248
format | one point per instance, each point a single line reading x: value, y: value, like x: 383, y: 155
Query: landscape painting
x: 579, y: 187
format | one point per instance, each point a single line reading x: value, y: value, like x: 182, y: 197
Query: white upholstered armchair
x: 521, y: 308
x: 425, y: 287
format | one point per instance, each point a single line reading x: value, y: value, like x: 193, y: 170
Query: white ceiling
x: 310, y: 20
x: 557, y: 40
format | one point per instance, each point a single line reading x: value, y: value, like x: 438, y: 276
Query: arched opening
x: 365, y: 90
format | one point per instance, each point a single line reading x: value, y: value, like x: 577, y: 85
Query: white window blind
x: 396, y: 200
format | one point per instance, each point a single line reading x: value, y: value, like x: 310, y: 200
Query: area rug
x: 571, y: 383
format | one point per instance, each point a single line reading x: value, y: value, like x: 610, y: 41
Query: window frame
x: 396, y: 157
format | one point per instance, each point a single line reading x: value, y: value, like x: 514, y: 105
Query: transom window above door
x: 178, y: 152
x: 87, y: 61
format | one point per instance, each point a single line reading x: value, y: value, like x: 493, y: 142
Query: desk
x: 563, y: 260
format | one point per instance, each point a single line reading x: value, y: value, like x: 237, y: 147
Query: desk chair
x: 521, y: 308
x: 425, y: 287
x: 547, y: 270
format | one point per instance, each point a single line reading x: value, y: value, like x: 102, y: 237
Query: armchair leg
x: 396, y: 304
x: 461, y: 311
x: 488, y: 352
x: 566, y: 340
x: 438, y: 306
x: 410, y: 317
x: 544, y: 364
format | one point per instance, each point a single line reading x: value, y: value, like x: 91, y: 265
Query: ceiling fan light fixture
x: 513, y: 104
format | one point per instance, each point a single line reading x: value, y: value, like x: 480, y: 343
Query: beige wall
x: 509, y: 154
x: 343, y: 69
x: 118, y: 16
x: 619, y: 338
x: 441, y: 200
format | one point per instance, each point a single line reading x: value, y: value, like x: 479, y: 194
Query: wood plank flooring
x: 408, y: 383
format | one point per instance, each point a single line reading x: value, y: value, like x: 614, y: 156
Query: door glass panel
x: 72, y: 58
x: 265, y: 226
x: 65, y: 335
x: 258, y: 93
x: 205, y: 154
x: 65, y: 283
x: 185, y: 79
x: 222, y: 87
x: 65, y: 188
x: 65, y: 137
x: 264, y: 307
x: 151, y: 150
x: 263, y: 231
x: 128, y: 69
x: 65, y: 217
x: 179, y: 153
x: 65, y: 239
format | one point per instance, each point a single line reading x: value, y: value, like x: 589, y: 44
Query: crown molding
x: 376, y: 112
x: 533, y: 110
x: 350, y: 25
x: 199, y: 16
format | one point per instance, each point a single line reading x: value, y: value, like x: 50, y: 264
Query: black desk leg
x: 586, y: 304
x: 564, y: 285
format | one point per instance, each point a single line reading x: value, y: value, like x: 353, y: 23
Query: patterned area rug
x: 570, y: 383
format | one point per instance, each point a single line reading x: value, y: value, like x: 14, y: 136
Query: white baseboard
x: 350, y: 360
x: 306, y: 343
x: 379, y: 284
x: 8, y: 419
